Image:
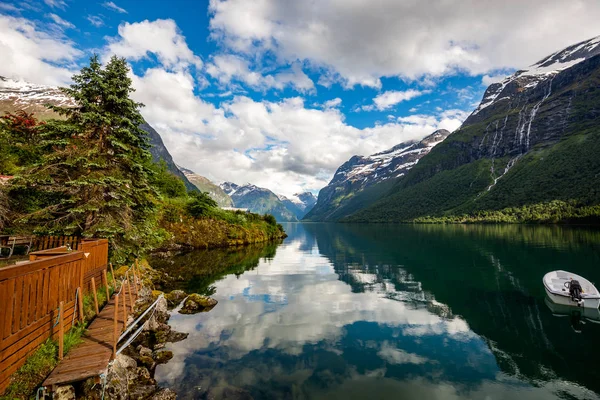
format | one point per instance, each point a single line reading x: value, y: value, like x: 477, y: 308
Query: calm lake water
x: 371, y: 311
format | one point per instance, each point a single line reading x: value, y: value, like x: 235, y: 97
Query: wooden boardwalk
x: 91, y: 357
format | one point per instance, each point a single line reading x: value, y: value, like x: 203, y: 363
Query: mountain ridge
x: 340, y: 196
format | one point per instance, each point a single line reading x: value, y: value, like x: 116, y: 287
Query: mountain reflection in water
x: 377, y: 311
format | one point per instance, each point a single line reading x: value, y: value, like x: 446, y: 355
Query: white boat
x: 570, y: 289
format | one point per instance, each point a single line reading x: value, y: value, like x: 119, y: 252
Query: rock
x: 196, y: 303
x: 144, y: 376
x: 163, y: 356
x: 175, y: 298
x: 123, y: 371
x: 65, y: 393
x: 175, y: 336
x: 144, y: 351
x: 138, y: 391
x: 164, y: 394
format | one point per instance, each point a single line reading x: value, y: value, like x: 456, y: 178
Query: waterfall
x: 534, y: 111
x: 509, y: 165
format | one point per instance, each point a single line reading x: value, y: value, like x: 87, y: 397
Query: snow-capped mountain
x: 300, y: 203
x: 258, y: 200
x: 206, y: 185
x: 21, y: 95
x: 544, y: 70
x: 360, y: 172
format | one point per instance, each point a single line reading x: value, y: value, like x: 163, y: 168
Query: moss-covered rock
x: 163, y: 356
x: 175, y: 298
x: 196, y: 303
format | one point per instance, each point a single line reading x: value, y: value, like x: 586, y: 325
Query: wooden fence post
x: 130, y: 294
x: 124, y: 306
x: 106, y: 285
x: 95, y: 296
x: 116, y: 327
x: 80, y: 304
x: 61, y: 330
x: 135, y: 279
x: 112, y: 272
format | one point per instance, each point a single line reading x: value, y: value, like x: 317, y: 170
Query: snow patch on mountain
x: 544, y: 69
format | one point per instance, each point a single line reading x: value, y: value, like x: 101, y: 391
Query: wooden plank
x: 8, y: 307
x: 16, y: 316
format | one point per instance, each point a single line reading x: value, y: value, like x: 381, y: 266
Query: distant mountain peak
x: 359, y: 173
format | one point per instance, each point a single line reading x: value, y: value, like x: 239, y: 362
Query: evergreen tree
x: 95, y: 175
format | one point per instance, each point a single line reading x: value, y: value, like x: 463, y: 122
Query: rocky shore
x: 131, y: 374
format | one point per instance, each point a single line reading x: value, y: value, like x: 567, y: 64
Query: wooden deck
x: 91, y: 357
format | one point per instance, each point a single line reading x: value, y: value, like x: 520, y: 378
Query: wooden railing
x: 38, y: 298
x: 50, y: 242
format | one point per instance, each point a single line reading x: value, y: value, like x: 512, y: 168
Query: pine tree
x: 95, y: 175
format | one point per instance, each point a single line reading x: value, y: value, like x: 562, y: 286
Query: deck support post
x: 95, y: 296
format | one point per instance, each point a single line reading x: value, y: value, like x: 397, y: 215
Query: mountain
x: 342, y: 195
x: 205, y: 185
x: 21, y: 95
x: 258, y: 200
x: 534, y: 138
x: 299, y: 204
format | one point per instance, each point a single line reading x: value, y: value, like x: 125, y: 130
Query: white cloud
x: 9, y: 8
x: 357, y: 41
x: 227, y: 68
x: 112, y: 6
x: 95, y: 20
x: 387, y: 100
x: 161, y: 38
x: 487, y: 80
x: 281, y: 145
x: 60, y: 22
x: 56, y: 4
x: 333, y: 103
x: 29, y: 53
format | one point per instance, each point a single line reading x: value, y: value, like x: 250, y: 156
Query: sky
x: 280, y: 93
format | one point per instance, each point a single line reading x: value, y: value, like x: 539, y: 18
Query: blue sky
x: 281, y: 92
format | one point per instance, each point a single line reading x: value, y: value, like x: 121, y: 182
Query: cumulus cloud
x: 333, y: 103
x: 487, y: 80
x: 227, y: 68
x: 387, y: 100
x: 161, y: 38
x: 112, y: 6
x: 358, y: 42
x: 28, y: 52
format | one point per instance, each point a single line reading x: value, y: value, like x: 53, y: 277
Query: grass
x: 37, y: 367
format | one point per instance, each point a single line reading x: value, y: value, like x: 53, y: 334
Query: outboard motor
x: 575, y: 290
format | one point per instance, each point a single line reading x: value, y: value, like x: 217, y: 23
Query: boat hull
x: 566, y: 300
